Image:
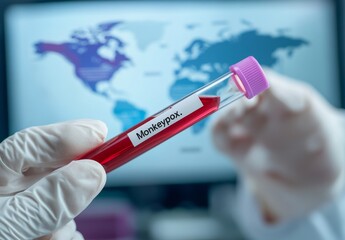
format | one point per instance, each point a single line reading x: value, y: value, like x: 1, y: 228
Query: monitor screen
x: 122, y: 61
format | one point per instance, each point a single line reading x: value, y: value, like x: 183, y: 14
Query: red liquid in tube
x: 120, y: 149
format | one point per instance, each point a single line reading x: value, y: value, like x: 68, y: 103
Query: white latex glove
x: 41, y: 188
x: 288, y: 145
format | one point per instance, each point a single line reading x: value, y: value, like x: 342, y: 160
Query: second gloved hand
x: 288, y: 145
x: 41, y: 188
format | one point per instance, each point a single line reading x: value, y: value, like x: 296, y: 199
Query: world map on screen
x: 98, y: 55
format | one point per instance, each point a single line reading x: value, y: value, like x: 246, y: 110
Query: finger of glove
x: 285, y: 95
x: 78, y: 236
x: 231, y: 133
x: 52, y: 202
x: 67, y: 232
x: 75, y: 236
x: 51, y: 145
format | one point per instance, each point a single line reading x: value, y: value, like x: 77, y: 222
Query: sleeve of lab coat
x: 325, y: 223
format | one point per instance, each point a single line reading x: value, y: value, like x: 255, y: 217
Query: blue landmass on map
x: 128, y: 114
x: 82, y: 52
x: 212, y: 59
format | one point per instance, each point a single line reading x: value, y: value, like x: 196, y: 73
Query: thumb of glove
x: 52, y: 202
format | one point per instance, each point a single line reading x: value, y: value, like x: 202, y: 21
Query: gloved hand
x: 41, y: 188
x: 288, y: 145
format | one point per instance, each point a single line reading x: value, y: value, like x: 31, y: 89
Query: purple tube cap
x: 251, y: 75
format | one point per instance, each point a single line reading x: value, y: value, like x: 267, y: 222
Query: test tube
x: 245, y: 78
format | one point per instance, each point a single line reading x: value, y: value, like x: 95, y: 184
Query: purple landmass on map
x: 82, y: 52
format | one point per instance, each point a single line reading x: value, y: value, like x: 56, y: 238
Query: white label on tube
x: 164, y: 120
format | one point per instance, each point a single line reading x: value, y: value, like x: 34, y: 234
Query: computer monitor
x: 122, y: 61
